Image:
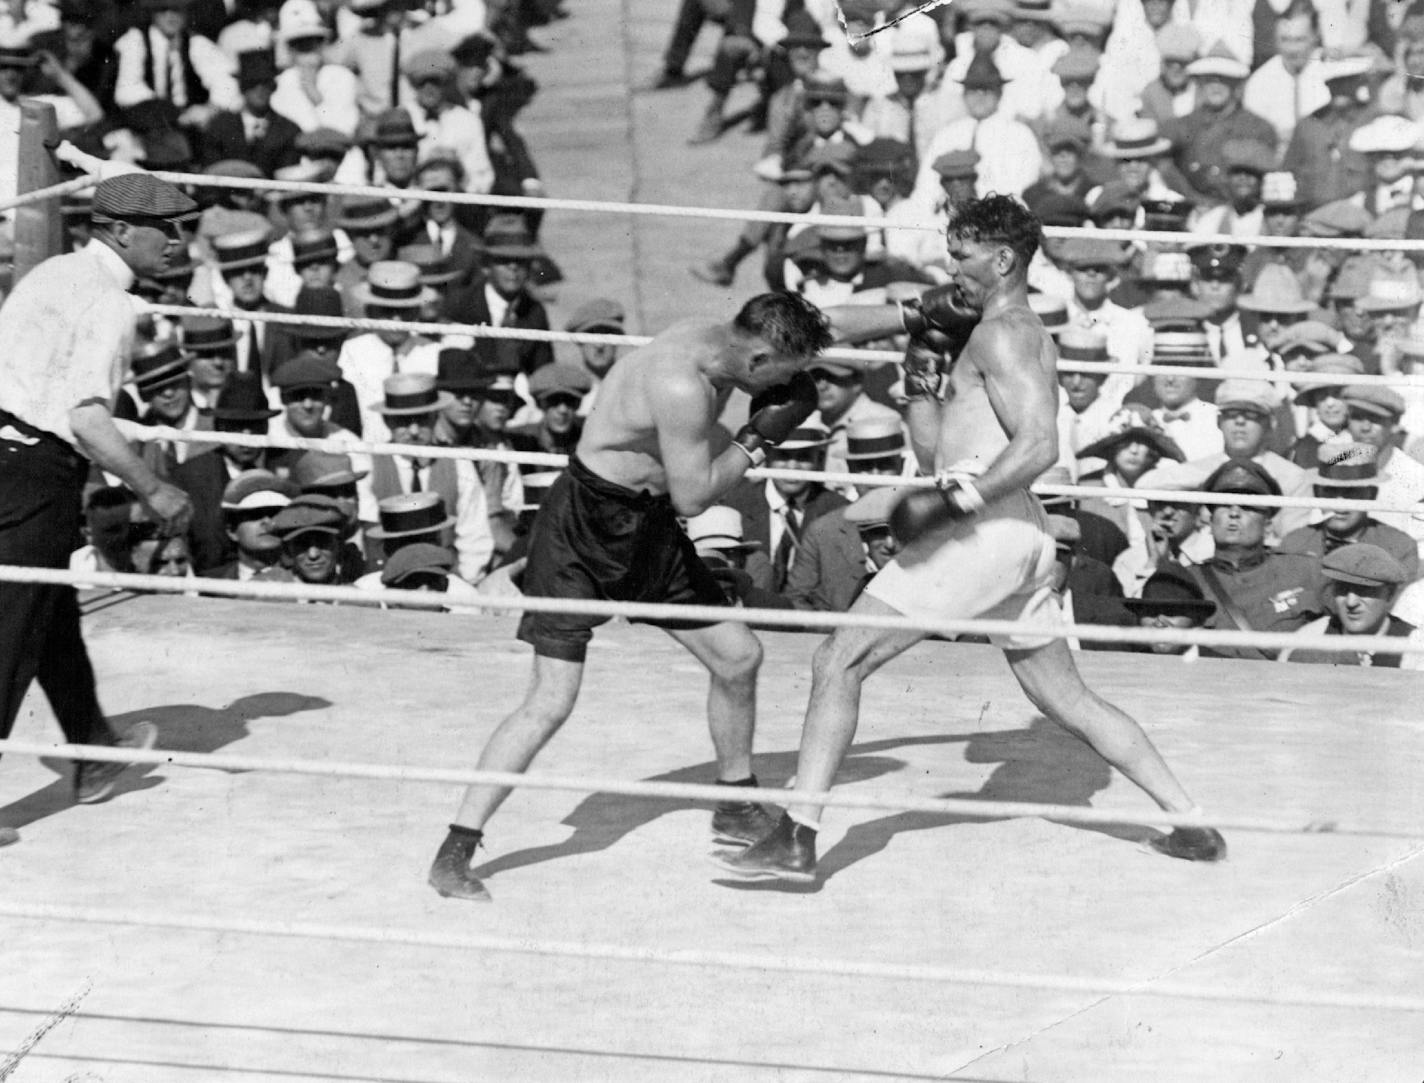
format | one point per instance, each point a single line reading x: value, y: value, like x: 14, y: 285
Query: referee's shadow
x: 603, y: 819
x: 182, y: 727
x: 1040, y: 764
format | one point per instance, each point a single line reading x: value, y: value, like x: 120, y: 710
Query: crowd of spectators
x: 1206, y: 119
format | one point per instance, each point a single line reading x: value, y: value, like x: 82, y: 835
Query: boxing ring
x: 252, y: 903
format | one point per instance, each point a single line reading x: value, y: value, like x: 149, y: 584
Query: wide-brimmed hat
x: 409, y: 394
x: 362, y: 215
x: 1137, y: 137
x: 720, y: 528
x: 1171, y: 592
x: 1346, y: 466
x: 409, y: 514
x: 314, y: 246
x: 436, y: 268
x: 870, y: 439
x: 324, y: 470
x: 559, y: 379
x: 241, y: 399
x: 809, y: 436
x: 393, y: 284
x: 1329, y: 364
x: 507, y: 237
x: 1391, y: 295
x: 298, y: 19
x: 1276, y: 292
x: 237, y: 251
x: 394, y: 128
x: 1132, y: 424
x: 255, y: 68
x: 158, y: 366
x: 206, y: 334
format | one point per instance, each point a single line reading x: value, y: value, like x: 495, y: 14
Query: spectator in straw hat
x: 1252, y: 587
x: 1139, y: 152
x: 1016, y: 161
x: 1274, y: 304
x: 1094, y: 267
x: 877, y: 445
x: 1362, y: 582
x: 558, y: 391
x: 417, y: 522
x: 1199, y: 139
x: 840, y: 400
x: 443, y: 124
x: 1374, y: 415
x: 1349, y: 472
x: 734, y: 561
x: 242, y: 260
x: 1319, y: 155
x: 370, y: 225
x: 1326, y: 414
x: 1387, y: 143
x: 256, y: 132
x: 304, y: 215
x: 1191, y: 423
x: 1084, y: 412
x: 776, y: 513
x: 1246, y: 164
x: 250, y: 502
x: 392, y: 291
x: 411, y: 407
x: 437, y: 271
x: 501, y: 298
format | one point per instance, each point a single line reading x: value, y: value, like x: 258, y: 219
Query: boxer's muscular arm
x: 1024, y: 396
x: 684, y: 412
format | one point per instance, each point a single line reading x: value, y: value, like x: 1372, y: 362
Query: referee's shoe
x: 94, y: 780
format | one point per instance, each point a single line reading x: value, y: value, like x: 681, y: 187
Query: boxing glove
x: 924, y: 510
x: 942, y: 309
x: 775, y: 414
x: 924, y: 362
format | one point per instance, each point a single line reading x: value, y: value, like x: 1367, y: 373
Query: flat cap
x: 140, y: 195
x: 428, y: 64
x: 1114, y: 200
x: 1248, y: 156
x: 956, y: 164
x: 256, y: 489
x: 307, y: 369
x: 1308, y: 336
x: 416, y: 558
x: 1257, y: 396
x: 874, y: 508
x: 1242, y: 476
x: 1067, y: 132
x: 1080, y: 65
x: 1059, y: 209
x: 1089, y: 252
x: 1363, y: 564
x: 600, y: 314
x: 1339, y: 218
x: 1375, y: 399
x: 1001, y: 11
x: 559, y: 379
x: 301, y: 517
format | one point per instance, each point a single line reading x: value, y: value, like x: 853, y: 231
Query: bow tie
x: 1176, y: 415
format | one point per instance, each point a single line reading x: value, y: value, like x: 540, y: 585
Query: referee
x: 67, y: 331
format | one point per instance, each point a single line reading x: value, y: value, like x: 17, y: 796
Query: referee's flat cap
x: 140, y: 195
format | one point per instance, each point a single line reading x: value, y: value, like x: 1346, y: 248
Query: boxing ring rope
x: 161, y: 433
x: 727, y: 960
x: 202, y: 180
x: 526, y: 334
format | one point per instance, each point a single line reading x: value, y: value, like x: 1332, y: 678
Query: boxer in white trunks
x: 977, y: 546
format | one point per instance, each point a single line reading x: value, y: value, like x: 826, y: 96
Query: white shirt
x: 1281, y: 98
x: 460, y: 129
x: 866, y: 76
x: 1031, y: 91
x: 366, y: 361
x: 1076, y: 431
x: 1401, y: 484
x: 1193, y: 428
x: 1223, y: 219
x: 337, y: 110
x: 1129, y: 340
x: 1009, y: 157
x: 212, y: 67
x: 474, y: 542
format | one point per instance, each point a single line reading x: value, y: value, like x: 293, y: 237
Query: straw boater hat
x: 1083, y: 344
x: 238, y: 251
x: 1173, y: 347
x: 1051, y: 311
x: 806, y: 437
x: 393, y: 284
x: 158, y: 366
x: 874, y: 439
x: 1351, y: 466
x: 720, y: 528
x: 1137, y: 137
x: 409, y: 514
x: 304, y: 173
x: 410, y: 394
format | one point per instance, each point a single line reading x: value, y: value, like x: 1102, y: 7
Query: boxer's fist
x: 925, y: 360
x: 924, y: 510
x: 942, y: 309
x: 776, y: 413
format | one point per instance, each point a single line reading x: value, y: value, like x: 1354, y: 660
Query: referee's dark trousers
x: 41, y: 487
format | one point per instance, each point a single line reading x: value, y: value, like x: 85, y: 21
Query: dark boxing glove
x: 924, y: 362
x: 942, y: 309
x: 775, y: 414
x: 924, y: 510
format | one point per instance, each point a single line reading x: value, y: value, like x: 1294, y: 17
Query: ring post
x: 39, y: 227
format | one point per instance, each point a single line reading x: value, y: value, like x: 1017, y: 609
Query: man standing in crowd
x: 69, y: 328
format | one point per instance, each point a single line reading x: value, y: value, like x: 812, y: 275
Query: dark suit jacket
x: 829, y: 571
x: 224, y: 138
x: 203, y: 477
x: 468, y: 305
x: 749, y: 498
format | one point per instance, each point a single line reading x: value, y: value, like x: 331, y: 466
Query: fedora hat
x: 1171, y: 592
x: 1351, y: 466
x: 314, y: 246
x: 365, y: 215
x: 393, y: 284
x: 408, y: 394
x: 507, y: 237
x: 460, y: 370
x: 436, y: 268
x: 1276, y: 292
x: 317, y: 301
x: 237, y: 251
x: 159, y: 366
x: 242, y: 399
x: 873, y: 438
x: 1137, y: 137
x: 206, y: 334
x: 410, y: 514
x: 324, y: 470
x: 720, y: 528
x: 256, y: 67
x: 394, y: 128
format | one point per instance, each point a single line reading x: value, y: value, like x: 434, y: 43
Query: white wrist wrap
x: 969, y: 498
x: 756, y: 457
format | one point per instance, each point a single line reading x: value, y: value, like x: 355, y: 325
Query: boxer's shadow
x: 182, y: 727
x: 603, y: 819
x: 1042, y: 764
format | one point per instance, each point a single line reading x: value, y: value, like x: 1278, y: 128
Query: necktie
x: 415, y: 468
x: 177, y: 85
x: 395, y: 71
x: 1176, y: 415
x: 786, y: 547
x: 254, y: 350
